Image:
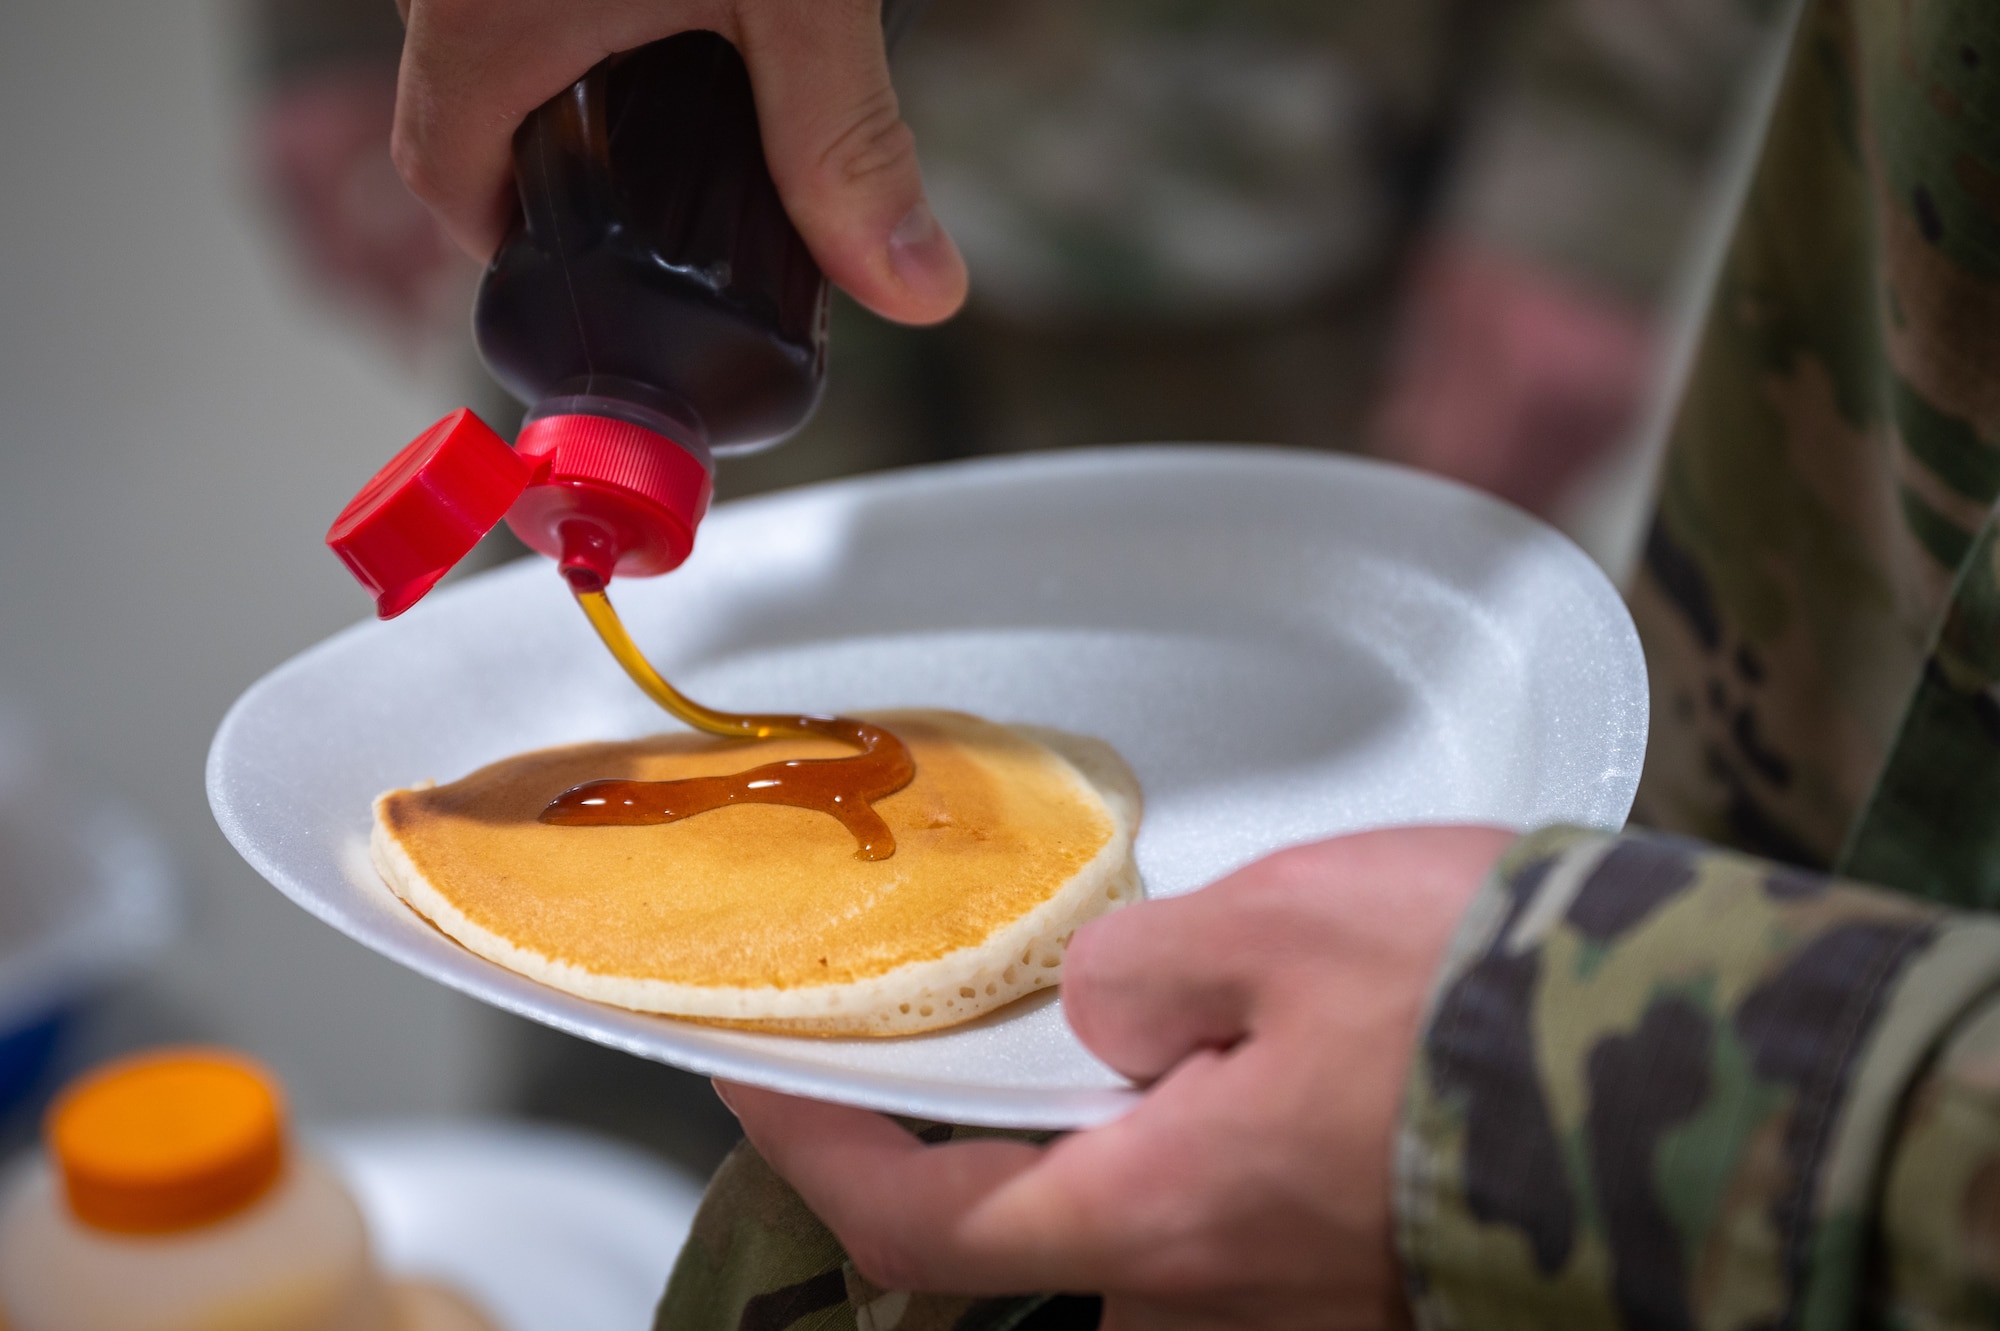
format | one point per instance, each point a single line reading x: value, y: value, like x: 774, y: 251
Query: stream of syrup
x: 846, y: 787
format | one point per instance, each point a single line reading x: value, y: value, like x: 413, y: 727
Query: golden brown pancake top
x: 757, y: 895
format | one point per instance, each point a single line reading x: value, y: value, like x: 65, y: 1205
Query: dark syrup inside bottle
x: 651, y: 262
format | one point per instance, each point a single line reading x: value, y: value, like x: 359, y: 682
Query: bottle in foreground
x: 175, y: 1199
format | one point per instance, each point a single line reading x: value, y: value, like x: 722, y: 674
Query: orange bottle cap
x: 167, y: 1140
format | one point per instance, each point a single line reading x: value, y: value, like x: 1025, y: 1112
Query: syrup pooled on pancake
x: 762, y: 915
x: 846, y: 788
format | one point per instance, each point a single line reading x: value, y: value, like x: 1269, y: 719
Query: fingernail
x: 722, y: 1094
x: 922, y: 254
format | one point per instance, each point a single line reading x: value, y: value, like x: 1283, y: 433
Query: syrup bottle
x: 653, y: 305
x: 651, y: 274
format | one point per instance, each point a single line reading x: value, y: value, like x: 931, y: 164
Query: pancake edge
x: 1021, y: 958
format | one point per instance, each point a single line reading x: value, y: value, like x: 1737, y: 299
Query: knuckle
x: 413, y: 164
x: 1090, y: 1017
x: 1099, y: 986
x: 1280, y: 895
x: 1293, y: 868
x: 874, y: 142
x: 1085, y: 966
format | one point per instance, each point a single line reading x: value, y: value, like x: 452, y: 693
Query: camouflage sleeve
x: 1592, y: 140
x: 1941, y: 1203
x: 1663, y: 1085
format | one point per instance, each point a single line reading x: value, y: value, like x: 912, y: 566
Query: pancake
x: 760, y: 915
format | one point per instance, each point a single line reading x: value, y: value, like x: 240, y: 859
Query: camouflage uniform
x: 1190, y: 219
x: 1661, y: 1083
x: 1664, y: 1085
x: 1816, y: 595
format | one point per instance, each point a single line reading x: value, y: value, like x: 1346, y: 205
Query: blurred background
x: 186, y: 404
x: 1465, y: 235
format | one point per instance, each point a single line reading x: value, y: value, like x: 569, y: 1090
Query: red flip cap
x: 601, y: 496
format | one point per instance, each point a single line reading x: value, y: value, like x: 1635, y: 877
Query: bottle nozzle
x: 599, y: 495
x: 609, y: 496
x: 589, y: 554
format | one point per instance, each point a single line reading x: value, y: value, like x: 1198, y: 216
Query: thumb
x: 1146, y: 986
x: 842, y: 158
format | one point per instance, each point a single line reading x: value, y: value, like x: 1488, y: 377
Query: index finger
x: 988, y: 1215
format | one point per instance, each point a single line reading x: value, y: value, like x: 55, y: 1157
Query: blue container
x: 26, y: 1053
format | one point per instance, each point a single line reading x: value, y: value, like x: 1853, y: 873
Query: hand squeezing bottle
x: 653, y: 305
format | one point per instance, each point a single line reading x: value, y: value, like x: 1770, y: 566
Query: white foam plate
x: 1284, y: 646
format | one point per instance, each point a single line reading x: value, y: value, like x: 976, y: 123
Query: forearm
x: 1658, y: 1079
x: 1940, y: 1208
